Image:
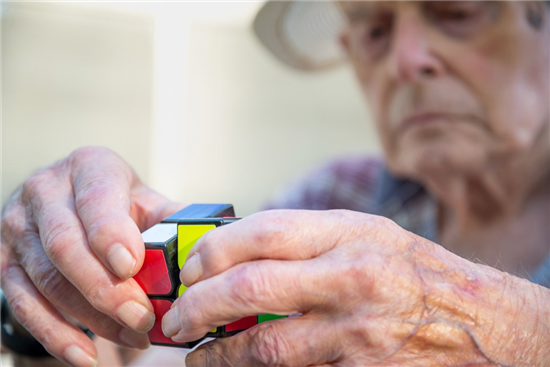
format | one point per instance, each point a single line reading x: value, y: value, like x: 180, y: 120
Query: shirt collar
x: 390, y: 188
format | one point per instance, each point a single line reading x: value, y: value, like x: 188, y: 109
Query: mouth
x: 428, y: 119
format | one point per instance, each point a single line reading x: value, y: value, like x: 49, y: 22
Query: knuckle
x: 9, y: 268
x: 13, y: 223
x: 191, y: 317
x: 82, y: 159
x: 51, y: 283
x: 100, y: 224
x: 389, y: 233
x: 383, y: 222
x: 56, y: 237
x: 36, y: 184
x: 252, y: 285
x: 97, y: 195
x: 216, y: 354
x: 99, y: 296
x: 89, y: 192
x: 20, y: 308
x: 269, y: 347
x: 85, y: 154
x: 25, y: 314
x: 43, y: 188
x: 376, y: 228
x: 48, y: 334
x: 270, y: 228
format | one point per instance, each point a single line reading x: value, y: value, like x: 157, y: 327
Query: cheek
x: 510, y: 75
x: 375, y: 93
x: 386, y: 135
x: 516, y: 103
x: 519, y: 118
x: 525, y: 103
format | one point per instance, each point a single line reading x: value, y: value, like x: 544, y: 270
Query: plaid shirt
x: 363, y: 184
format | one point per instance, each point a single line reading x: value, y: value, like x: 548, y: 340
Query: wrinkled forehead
x: 366, y: 7
x: 471, y: 16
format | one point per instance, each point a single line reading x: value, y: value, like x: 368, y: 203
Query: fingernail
x: 134, y: 339
x: 171, y: 322
x: 78, y: 357
x: 136, y: 316
x: 121, y: 260
x: 195, y: 359
x: 192, y: 270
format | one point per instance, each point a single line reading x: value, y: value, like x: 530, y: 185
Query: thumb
x: 296, y: 341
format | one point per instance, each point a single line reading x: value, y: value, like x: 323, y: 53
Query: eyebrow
x: 357, y: 11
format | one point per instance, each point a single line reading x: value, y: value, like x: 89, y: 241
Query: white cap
x: 302, y: 34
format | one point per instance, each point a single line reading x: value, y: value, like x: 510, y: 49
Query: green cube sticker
x: 269, y: 317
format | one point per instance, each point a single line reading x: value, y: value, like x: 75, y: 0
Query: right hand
x: 71, y: 242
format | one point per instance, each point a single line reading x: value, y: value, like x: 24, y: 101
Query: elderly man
x: 460, y: 95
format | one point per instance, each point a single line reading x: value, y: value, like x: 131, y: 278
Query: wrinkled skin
x: 460, y: 107
x: 370, y: 294
x: 58, y: 230
x: 460, y: 96
x: 456, y: 88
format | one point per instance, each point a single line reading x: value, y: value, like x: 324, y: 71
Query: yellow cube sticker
x: 188, y: 235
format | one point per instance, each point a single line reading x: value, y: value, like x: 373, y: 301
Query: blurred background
x: 183, y: 91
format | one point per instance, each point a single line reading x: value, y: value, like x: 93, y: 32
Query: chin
x: 422, y: 155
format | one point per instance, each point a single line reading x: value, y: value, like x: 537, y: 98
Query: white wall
x: 73, y: 76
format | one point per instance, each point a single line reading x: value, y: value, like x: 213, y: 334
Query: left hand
x: 370, y: 294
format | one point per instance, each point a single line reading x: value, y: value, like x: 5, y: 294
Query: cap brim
x: 302, y: 34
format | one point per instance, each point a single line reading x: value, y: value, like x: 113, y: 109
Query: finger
x: 64, y: 240
x: 114, y: 207
x: 43, y: 321
x: 149, y: 207
x: 103, y: 199
x: 60, y: 292
x: 25, y: 244
x: 278, y: 234
x: 299, y: 342
x: 266, y: 286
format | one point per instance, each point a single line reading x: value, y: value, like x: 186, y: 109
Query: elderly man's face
x: 454, y: 86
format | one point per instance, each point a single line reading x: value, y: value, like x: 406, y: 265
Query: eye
x: 458, y: 13
x: 377, y: 35
x: 378, y: 32
x: 371, y: 31
x: 461, y: 19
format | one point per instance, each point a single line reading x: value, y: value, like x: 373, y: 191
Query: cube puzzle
x: 167, y: 245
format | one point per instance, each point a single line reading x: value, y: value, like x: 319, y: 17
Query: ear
x: 344, y: 41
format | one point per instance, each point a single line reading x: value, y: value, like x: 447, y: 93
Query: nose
x: 411, y: 56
